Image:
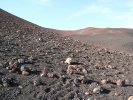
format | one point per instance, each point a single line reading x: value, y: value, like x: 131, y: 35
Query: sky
x: 73, y: 14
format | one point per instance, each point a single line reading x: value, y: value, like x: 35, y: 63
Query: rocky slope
x: 92, y: 73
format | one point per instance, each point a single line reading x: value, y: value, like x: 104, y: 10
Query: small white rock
x: 84, y: 71
x: 20, y: 86
x: 25, y: 73
x: 68, y: 60
x: 130, y: 98
x: 104, y: 81
x: 98, y: 89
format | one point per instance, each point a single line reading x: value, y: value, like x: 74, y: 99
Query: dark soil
x: 22, y: 39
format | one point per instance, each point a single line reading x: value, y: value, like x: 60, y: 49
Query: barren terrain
x: 93, y: 73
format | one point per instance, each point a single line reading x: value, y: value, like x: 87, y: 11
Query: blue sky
x: 73, y: 14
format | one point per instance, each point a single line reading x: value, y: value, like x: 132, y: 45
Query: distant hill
x: 113, y: 38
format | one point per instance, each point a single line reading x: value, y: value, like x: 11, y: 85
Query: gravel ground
x: 93, y: 73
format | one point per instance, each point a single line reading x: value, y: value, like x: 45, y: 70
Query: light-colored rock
x: 130, y: 98
x: 98, y: 89
x: 25, y: 73
x: 50, y: 74
x: 120, y: 82
x: 68, y: 60
x: 87, y: 93
x: 20, y: 86
x: 84, y: 71
x: 104, y: 81
x: 117, y: 94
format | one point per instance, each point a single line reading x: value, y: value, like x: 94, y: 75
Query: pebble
x: 10, y: 63
x: 44, y: 72
x: 37, y: 82
x: 1, y: 65
x: 130, y: 98
x: 120, y: 82
x: 104, y: 81
x: 21, y: 61
x: 24, y: 68
x: 20, y: 86
x: 25, y: 73
x: 117, y: 94
x: 87, y: 93
x: 98, y: 90
x: 5, y: 84
x: 84, y: 71
x: 69, y: 71
x: 50, y: 74
x: 68, y: 60
x: 109, y: 66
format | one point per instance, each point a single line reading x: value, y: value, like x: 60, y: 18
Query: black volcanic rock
x: 19, y: 38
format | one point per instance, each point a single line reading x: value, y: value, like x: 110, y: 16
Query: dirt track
x: 19, y: 38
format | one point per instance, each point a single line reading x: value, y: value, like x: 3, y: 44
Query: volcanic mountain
x: 120, y: 39
x: 38, y: 63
